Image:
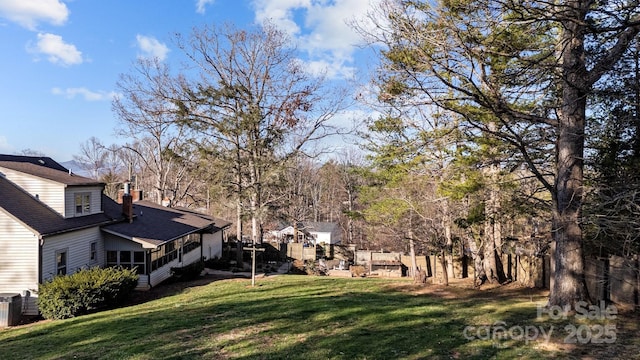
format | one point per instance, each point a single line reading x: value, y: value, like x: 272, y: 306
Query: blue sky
x: 60, y: 60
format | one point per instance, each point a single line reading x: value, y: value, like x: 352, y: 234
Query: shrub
x: 218, y: 263
x: 188, y: 272
x: 85, y: 291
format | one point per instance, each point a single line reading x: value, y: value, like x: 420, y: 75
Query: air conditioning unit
x: 10, y: 309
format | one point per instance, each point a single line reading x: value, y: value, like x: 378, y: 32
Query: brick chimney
x: 127, y: 202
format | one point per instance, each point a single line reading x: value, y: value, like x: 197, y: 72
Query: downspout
x: 148, y: 266
x: 40, y: 244
x: 201, y: 246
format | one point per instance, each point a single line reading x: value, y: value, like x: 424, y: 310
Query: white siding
x: 321, y: 237
x: 143, y: 283
x: 332, y: 237
x: 77, y: 245
x: 114, y: 243
x: 100, y: 260
x: 49, y: 192
x: 212, y: 245
x: 18, y: 261
x: 70, y: 199
x: 190, y: 257
x: 163, y: 273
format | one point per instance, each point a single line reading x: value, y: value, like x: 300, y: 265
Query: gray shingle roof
x: 46, y: 168
x: 154, y: 225
x: 323, y: 227
x: 36, y: 160
x: 30, y: 211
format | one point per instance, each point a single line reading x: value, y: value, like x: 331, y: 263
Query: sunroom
x: 159, y: 238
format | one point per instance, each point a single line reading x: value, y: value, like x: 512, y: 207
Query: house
x: 54, y: 222
x: 315, y: 233
x: 324, y: 232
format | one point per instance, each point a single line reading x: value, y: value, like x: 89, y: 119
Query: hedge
x: 85, y: 291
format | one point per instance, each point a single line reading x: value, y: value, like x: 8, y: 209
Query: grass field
x: 306, y: 317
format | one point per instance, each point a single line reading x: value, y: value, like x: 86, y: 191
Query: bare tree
x: 148, y: 117
x: 253, y: 101
x: 30, y: 152
x: 92, y: 156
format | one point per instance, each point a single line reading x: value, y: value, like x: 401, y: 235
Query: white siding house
x: 311, y: 232
x: 325, y: 232
x: 53, y: 222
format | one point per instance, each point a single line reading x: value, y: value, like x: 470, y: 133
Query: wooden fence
x: 613, y: 278
x: 527, y: 270
x: 610, y: 278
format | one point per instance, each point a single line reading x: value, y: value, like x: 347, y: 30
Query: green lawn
x: 298, y: 317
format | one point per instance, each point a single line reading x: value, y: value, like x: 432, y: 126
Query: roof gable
x: 41, y: 219
x: 35, y: 160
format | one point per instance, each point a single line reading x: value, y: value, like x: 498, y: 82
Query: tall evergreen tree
x: 519, y: 72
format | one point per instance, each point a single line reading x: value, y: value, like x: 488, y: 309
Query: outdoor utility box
x: 10, y: 309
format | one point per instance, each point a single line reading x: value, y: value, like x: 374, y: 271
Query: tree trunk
x: 569, y: 282
x: 493, y: 267
x: 478, y: 266
x: 489, y: 255
x: 239, y: 243
x: 254, y: 221
x: 569, y: 285
x: 493, y: 232
x: 449, y: 251
x: 443, y: 262
x: 412, y: 251
x: 239, y: 231
x: 349, y: 218
x: 414, y: 263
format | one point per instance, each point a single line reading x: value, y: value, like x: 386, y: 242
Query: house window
x: 191, y: 242
x: 125, y: 259
x: 112, y: 258
x: 93, y: 251
x: 164, y: 254
x: 83, y: 203
x: 61, y: 262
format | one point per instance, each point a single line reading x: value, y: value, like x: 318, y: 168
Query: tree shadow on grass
x: 299, y: 318
x: 286, y: 317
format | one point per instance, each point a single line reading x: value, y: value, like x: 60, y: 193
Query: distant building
x: 309, y: 232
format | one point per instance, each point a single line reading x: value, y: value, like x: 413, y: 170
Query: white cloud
x: 200, y: 5
x: 57, y: 51
x: 151, y: 47
x: 321, y: 28
x: 28, y: 13
x: 331, y: 69
x: 88, y: 95
x: 281, y: 13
